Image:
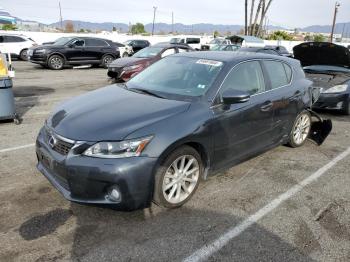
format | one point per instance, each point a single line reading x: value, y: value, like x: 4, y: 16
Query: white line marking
x: 206, y: 251
x: 15, y: 148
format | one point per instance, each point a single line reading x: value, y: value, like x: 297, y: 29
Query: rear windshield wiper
x: 145, y: 91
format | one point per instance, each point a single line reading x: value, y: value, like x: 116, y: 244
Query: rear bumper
x: 88, y: 180
x: 332, y: 101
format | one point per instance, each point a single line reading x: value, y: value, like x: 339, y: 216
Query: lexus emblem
x: 52, y: 141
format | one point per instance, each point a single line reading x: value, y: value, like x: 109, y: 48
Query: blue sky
x: 287, y: 13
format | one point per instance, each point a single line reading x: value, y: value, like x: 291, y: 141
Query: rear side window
x: 193, y: 40
x: 246, y: 77
x: 95, y: 42
x: 12, y: 39
x: 279, y: 73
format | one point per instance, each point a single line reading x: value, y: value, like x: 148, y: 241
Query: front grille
x: 62, y: 147
x: 57, y: 143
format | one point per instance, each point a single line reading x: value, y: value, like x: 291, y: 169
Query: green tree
x: 319, y: 38
x: 280, y: 35
x: 114, y: 29
x: 9, y: 27
x: 138, y: 28
x: 216, y: 34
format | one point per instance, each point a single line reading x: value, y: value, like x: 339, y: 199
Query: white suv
x: 16, y: 45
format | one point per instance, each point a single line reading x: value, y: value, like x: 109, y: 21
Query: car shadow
x: 155, y: 234
x: 28, y: 97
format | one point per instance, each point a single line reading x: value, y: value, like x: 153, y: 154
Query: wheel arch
x: 57, y: 53
x: 198, y: 146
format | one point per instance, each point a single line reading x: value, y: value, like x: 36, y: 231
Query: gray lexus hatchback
x: 182, y: 119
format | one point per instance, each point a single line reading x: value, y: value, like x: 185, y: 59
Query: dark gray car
x: 182, y: 119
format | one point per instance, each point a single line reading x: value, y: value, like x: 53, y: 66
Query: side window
x: 95, y: 42
x: 168, y: 52
x: 289, y: 72
x: 193, y: 40
x: 1, y: 39
x: 246, y: 77
x: 78, y: 42
x: 277, y: 73
x: 12, y: 39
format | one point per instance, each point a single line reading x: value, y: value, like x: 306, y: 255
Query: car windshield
x: 218, y: 47
x: 216, y: 41
x: 175, y: 40
x: 127, y: 42
x: 180, y: 77
x: 63, y: 40
x: 148, y: 52
x: 326, y: 68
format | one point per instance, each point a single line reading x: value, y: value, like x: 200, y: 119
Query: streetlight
x: 154, y: 18
x: 337, y: 5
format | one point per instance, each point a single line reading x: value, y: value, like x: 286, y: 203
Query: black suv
x: 75, y: 51
x: 137, y: 45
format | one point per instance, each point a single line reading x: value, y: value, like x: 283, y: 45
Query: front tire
x: 301, y: 129
x: 55, y: 62
x: 178, y: 177
x: 23, y: 55
x: 346, y: 108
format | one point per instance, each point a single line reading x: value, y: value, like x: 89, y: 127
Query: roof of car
x: 168, y: 45
x: 230, y: 57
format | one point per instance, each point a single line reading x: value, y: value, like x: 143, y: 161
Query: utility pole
x: 337, y: 5
x: 154, y: 18
x: 172, y: 22
x: 246, y: 17
x: 61, y: 20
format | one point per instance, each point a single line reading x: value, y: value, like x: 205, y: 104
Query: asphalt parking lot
x: 38, y: 224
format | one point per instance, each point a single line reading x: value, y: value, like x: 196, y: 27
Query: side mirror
x: 231, y: 96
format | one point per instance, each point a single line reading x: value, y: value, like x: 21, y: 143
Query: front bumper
x: 88, y: 180
x: 332, y: 101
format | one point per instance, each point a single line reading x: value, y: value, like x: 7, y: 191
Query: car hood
x: 315, y: 53
x: 111, y: 114
x: 127, y: 61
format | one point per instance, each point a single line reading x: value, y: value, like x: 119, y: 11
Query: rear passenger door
x: 283, y: 95
x: 95, y: 48
x: 245, y: 128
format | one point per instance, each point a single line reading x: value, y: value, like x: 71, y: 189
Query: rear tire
x: 106, y: 60
x: 178, y: 177
x: 301, y: 129
x: 55, y: 62
x: 23, y: 55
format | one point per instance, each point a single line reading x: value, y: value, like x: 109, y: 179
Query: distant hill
x: 195, y: 28
x: 328, y: 28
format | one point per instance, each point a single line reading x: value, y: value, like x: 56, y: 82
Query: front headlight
x: 335, y: 89
x: 133, y: 67
x: 123, y: 149
x: 40, y: 51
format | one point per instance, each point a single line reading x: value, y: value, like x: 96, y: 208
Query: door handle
x: 266, y: 106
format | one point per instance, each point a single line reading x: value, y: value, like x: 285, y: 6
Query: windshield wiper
x: 145, y: 91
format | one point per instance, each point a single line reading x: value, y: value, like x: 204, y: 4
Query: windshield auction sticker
x: 209, y: 62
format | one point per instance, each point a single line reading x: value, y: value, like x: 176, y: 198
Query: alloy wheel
x: 180, y: 179
x: 301, y: 129
x: 56, y: 62
x: 107, y: 60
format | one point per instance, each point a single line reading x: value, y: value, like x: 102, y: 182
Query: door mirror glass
x: 231, y: 96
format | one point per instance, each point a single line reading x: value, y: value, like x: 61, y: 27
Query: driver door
x: 245, y: 128
x: 75, y: 50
